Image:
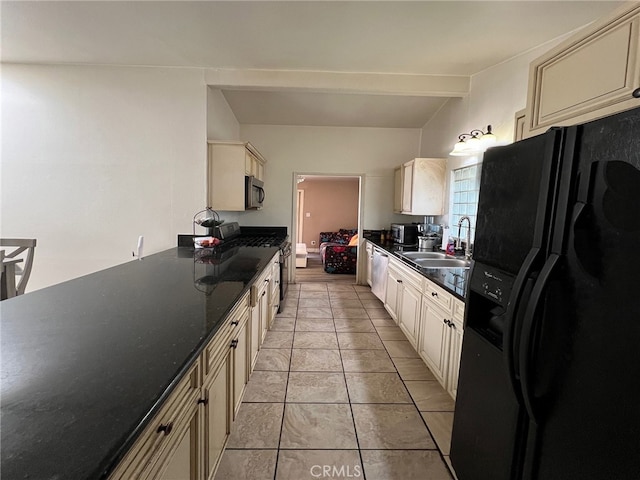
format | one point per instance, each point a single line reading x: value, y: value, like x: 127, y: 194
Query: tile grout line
x: 286, y: 387
x: 353, y: 418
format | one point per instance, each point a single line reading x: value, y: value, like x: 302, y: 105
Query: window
x: 466, y: 185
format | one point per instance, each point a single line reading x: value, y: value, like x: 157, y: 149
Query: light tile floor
x: 338, y: 392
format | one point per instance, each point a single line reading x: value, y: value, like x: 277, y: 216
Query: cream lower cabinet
x: 440, y: 335
x: 169, y: 443
x: 404, y: 297
x: 392, y: 293
x: 217, y: 415
x: 186, y: 438
x: 274, y: 289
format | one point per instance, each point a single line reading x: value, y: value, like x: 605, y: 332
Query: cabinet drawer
x: 219, y: 345
x: 150, y: 452
x: 439, y: 296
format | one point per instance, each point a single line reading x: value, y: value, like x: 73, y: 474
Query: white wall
x: 92, y: 157
x: 222, y: 124
x: 495, y: 96
x: 372, y: 152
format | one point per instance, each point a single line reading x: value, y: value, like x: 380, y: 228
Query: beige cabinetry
x: 227, y: 165
x: 440, y: 335
x: 397, y: 189
x: 217, y: 414
x: 404, y: 297
x: 169, y: 442
x: 265, y: 301
x: 590, y: 75
x: 392, y: 292
x: 187, y: 436
x: 274, y: 289
x: 419, y: 187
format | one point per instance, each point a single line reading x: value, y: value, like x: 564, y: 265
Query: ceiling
x: 357, y: 63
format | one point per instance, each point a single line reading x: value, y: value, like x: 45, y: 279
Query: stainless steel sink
x: 423, y: 255
x: 434, y: 260
x: 442, y: 263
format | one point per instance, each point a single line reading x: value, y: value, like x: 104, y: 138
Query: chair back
x: 21, y: 246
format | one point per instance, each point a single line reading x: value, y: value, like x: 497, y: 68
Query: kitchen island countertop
x: 86, y: 363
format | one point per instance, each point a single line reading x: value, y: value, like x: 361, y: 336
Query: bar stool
x: 9, y: 287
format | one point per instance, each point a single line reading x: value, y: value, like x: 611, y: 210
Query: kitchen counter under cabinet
x: 89, y: 364
x: 451, y: 279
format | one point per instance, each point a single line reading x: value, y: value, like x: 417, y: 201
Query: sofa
x: 339, y: 251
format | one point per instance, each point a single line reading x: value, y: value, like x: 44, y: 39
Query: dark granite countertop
x: 452, y: 279
x: 86, y: 363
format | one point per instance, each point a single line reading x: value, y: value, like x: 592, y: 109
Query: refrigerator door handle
x: 510, y: 346
x: 528, y: 335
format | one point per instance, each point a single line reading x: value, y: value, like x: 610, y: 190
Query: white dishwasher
x: 379, y: 276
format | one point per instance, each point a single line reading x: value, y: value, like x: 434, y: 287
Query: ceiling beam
x: 339, y: 82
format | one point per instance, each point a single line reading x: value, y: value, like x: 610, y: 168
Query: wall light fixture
x: 476, y: 141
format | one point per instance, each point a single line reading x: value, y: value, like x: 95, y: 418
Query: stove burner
x: 259, y: 241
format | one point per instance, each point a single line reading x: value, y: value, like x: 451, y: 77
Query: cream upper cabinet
x: 227, y: 165
x: 397, y: 190
x: 419, y: 187
x: 593, y: 74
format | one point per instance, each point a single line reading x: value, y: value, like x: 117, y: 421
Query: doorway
x: 324, y: 203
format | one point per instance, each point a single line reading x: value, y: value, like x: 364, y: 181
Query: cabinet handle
x: 264, y: 293
x: 166, y: 429
x: 452, y: 325
x: 266, y: 281
x: 203, y: 401
x: 399, y: 281
x: 235, y: 322
x: 636, y: 93
x: 434, y: 294
x: 234, y: 343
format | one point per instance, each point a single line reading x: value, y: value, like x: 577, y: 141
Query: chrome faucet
x: 467, y: 249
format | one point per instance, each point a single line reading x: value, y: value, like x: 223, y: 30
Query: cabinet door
x: 432, y: 344
x: 407, y: 187
x: 274, y: 289
x: 392, y: 294
x: 455, y: 349
x: 256, y: 334
x: 590, y: 75
x: 409, y: 312
x: 263, y: 305
x: 240, y: 352
x: 183, y: 459
x: 397, y: 190
x: 217, y: 415
x: 225, y: 176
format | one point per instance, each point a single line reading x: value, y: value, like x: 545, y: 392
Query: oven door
x: 254, y: 193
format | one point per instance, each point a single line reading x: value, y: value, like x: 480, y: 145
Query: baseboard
x: 313, y: 250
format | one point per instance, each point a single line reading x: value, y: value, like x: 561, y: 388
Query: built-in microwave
x: 254, y: 193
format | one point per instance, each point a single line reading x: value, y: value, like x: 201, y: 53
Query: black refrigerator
x: 549, y: 385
